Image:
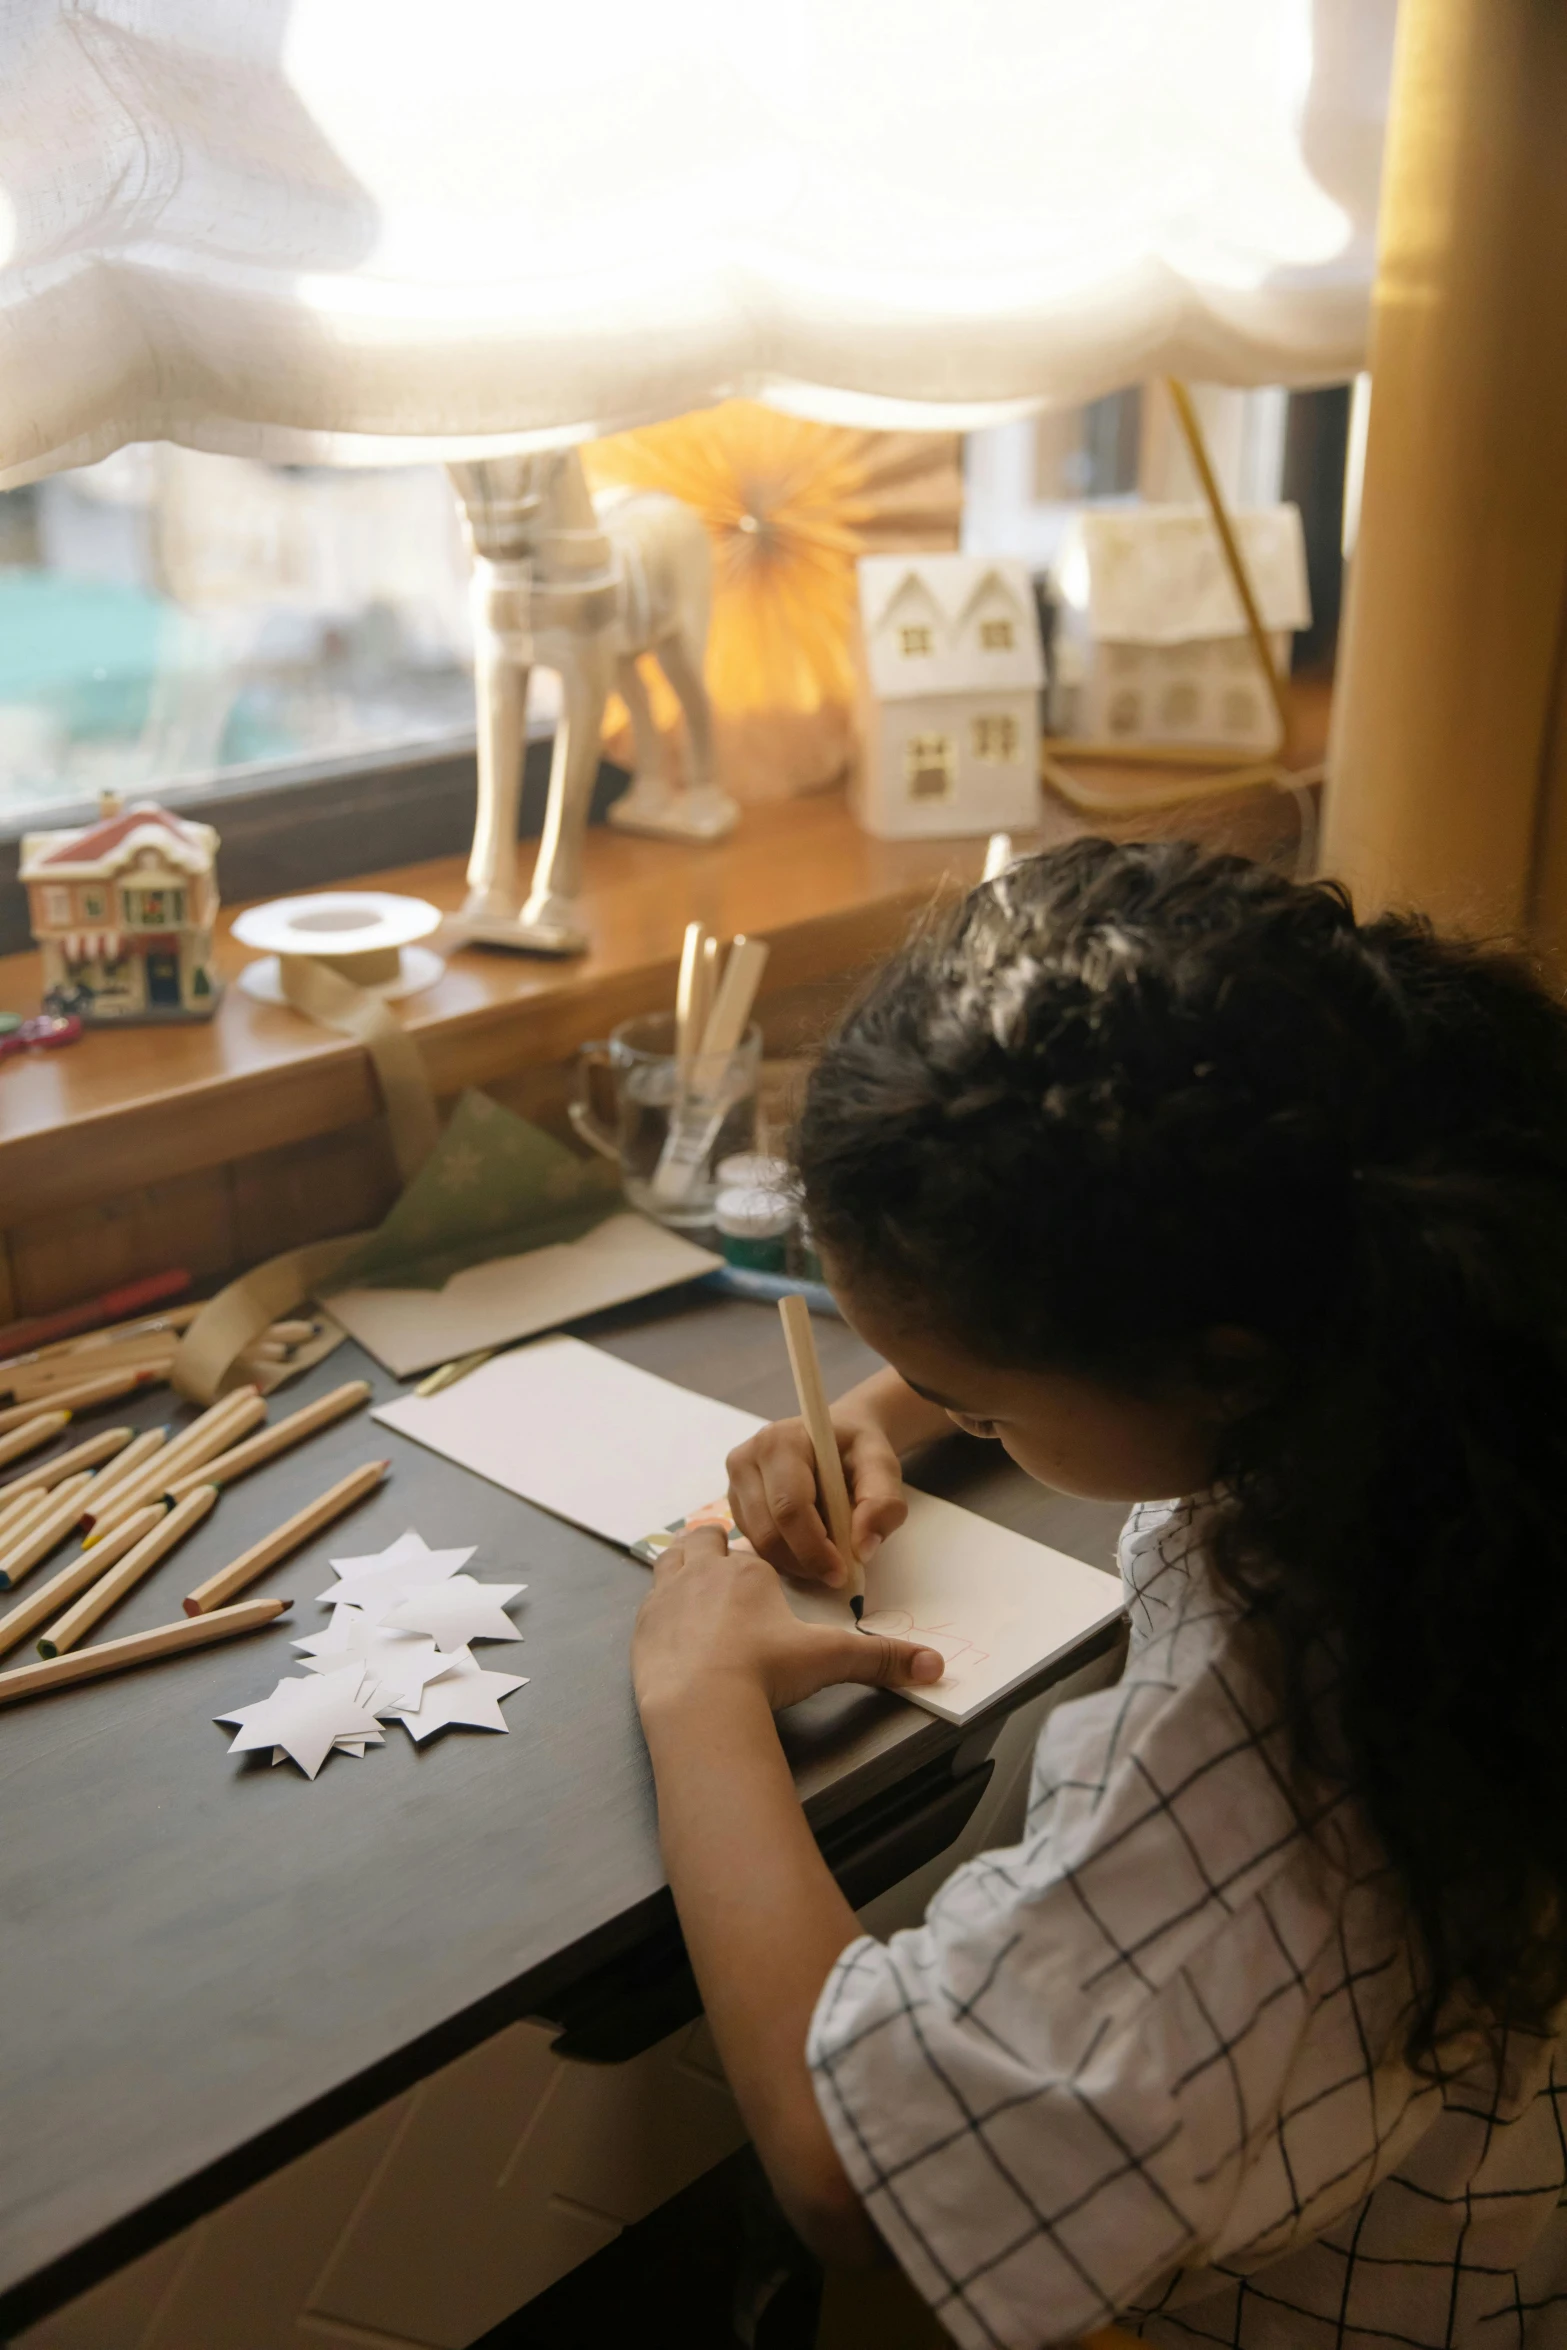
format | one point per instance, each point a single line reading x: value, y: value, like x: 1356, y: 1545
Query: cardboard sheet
x: 612, y: 1448
x: 508, y: 1298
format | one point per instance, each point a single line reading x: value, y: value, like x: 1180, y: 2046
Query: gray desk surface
x: 211, y: 1965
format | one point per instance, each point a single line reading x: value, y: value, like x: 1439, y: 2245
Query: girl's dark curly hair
x: 1125, y: 1096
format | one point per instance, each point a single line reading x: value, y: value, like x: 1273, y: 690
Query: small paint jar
x: 754, y: 1227
x: 753, y: 1171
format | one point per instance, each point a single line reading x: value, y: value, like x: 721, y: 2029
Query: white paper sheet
x: 614, y: 1449
x: 509, y: 1298
x: 998, y: 1605
x: 580, y: 1433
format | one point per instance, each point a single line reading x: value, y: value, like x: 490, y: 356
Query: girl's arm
x: 716, y: 1651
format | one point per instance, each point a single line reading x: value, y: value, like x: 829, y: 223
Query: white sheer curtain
x: 329, y: 229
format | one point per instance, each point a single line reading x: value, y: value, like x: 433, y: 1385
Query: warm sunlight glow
x: 492, y: 221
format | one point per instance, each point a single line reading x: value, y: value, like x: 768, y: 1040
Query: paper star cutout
x: 464, y: 1694
x: 457, y: 1611
x: 306, y: 1716
x: 396, y: 1664
x: 354, y: 1746
x: 379, y: 1580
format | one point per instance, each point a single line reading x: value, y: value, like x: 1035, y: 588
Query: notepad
x: 508, y: 1298
x: 616, y: 1450
x: 581, y: 1434
x: 1000, y: 1607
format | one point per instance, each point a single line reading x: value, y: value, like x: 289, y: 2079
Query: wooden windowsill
x: 139, y: 1105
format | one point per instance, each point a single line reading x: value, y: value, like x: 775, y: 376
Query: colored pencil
x: 44, y: 1604
x: 219, y: 1589
x: 137, y: 1562
x: 94, y: 1313
x: 214, y: 1432
x: 45, y: 1533
x: 89, y: 1455
x: 225, y: 1467
x: 804, y: 1362
x: 31, y: 1434
x: 83, y: 1395
x: 139, y: 1648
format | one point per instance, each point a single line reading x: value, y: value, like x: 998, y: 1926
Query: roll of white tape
x: 367, y: 935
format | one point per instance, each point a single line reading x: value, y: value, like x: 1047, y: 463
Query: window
x: 154, y: 909
x: 995, y: 738
x: 914, y: 642
x: 929, y: 767
x: 95, y: 906
x: 57, y: 905
x: 1242, y: 712
x: 996, y: 636
x: 167, y: 615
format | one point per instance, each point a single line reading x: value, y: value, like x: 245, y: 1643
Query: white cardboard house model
x: 950, y: 671
x: 123, y: 912
x: 1151, y: 643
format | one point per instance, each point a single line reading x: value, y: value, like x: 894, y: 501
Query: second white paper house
x: 1151, y: 644
x: 950, y: 671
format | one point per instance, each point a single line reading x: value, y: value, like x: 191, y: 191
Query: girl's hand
x: 772, y: 1492
x: 716, y: 1616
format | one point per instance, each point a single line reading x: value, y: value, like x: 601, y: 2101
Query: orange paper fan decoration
x: 789, y: 506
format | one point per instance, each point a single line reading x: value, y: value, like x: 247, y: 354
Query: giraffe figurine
x: 561, y: 583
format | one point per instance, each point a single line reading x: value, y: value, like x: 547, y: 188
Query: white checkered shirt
x: 1147, y: 2063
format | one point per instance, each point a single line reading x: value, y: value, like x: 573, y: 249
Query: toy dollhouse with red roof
x: 122, y: 911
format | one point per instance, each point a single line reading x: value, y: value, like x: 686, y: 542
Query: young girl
x: 1175, y: 1180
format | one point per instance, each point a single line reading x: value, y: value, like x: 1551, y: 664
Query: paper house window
x: 930, y: 766
x: 996, y: 636
x: 57, y: 905
x: 995, y: 738
x: 95, y: 906
x: 914, y: 643
x: 155, y: 909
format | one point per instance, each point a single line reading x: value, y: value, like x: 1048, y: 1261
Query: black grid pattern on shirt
x: 1113, y: 2245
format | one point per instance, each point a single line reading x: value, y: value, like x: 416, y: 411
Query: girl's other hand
x: 772, y: 1492
x: 716, y: 1617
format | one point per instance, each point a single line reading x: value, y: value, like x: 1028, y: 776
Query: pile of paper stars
x: 395, y: 1650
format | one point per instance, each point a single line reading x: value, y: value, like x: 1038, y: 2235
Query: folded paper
x: 494, y: 1185
x: 511, y: 1297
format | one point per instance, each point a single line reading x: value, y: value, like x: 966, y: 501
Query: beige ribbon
x: 326, y: 995
x: 206, y: 1358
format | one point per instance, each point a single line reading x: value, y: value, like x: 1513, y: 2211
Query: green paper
x: 495, y: 1185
